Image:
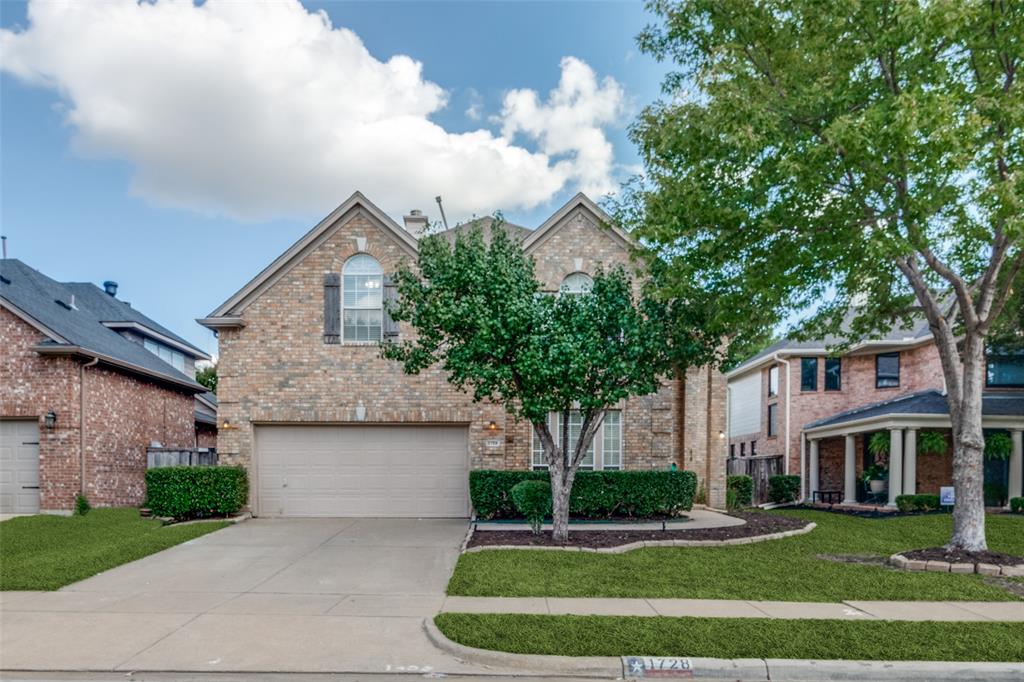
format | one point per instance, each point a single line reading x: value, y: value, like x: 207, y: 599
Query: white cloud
x: 476, y: 105
x: 571, y: 123
x: 263, y: 110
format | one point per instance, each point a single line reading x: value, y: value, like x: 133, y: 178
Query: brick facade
x: 122, y: 415
x: 277, y: 368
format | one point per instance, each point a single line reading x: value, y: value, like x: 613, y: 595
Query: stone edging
x: 238, y: 518
x: 754, y: 669
x: 903, y: 563
x: 629, y: 547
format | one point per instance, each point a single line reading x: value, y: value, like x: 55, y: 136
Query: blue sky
x: 100, y: 179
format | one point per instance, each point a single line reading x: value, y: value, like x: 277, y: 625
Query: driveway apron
x: 276, y: 595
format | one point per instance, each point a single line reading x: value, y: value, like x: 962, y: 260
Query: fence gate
x: 760, y: 468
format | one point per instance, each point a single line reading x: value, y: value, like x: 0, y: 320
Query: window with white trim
x: 362, y: 299
x: 605, y: 450
x: 165, y: 353
x: 577, y: 283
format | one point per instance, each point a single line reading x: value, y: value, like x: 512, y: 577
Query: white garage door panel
x: 19, y: 467
x: 412, y: 471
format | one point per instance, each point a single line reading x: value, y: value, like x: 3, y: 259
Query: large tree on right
x: 838, y: 155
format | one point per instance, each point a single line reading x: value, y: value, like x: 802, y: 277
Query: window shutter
x: 332, y: 307
x: 390, y: 298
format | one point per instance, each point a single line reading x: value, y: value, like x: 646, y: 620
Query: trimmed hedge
x: 783, y: 488
x: 742, y: 489
x: 912, y: 503
x: 595, y: 494
x: 196, y: 492
x: 1017, y: 505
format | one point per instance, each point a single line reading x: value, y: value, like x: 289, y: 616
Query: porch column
x: 895, y: 465
x: 814, y: 467
x: 910, y: 463
x: 1016, y: 466
x: 850, y: 471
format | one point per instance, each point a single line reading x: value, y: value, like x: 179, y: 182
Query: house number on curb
x: 650, y: 666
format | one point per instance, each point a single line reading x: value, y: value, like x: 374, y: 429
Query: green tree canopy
x: 838, y: 156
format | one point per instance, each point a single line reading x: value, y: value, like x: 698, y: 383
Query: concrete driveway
x: 309, y: 595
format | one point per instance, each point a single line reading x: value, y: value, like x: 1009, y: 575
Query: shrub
x: 913, y: 503
x: 196, y: 492
x: 1017, y: 505
x: 82, y: 505
x: 595, y: 494
x: 783, y: 488
x: 533, y: 500
x: 742, y: 489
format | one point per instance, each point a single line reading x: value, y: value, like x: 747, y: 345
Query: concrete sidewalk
x: 730, y: 608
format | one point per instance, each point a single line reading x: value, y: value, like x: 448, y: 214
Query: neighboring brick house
x: 329, y: 428
x: 86, y: 384
x: 801, y: 410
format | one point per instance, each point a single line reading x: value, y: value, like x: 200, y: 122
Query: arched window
x: 362, y: 306
x: 577, y: 283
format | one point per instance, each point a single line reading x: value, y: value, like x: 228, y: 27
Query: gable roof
x: 581, y: 200
x: 80, y: 330
x: 230, y: 308
x: 894, y: 337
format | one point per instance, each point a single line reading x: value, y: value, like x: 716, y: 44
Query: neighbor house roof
x: 75, y: 319
x: 894, y: 337
x: 487, y: 225
x: 923, y: 403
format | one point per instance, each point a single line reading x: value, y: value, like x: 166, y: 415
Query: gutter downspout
x: 81, y: 423
x: 789, y: 393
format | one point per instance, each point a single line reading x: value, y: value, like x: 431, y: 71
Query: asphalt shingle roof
x: 37, y: 296
x: 926, y: 402
x: 487, y: 226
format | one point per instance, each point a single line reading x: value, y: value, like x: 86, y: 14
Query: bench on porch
x: 827, y: 496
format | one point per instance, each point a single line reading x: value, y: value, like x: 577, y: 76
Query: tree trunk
x: 560, y: 508
x: 969, y: 453
x: 563, y: 465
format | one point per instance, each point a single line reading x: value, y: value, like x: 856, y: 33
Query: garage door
x: 379, y: 470
x: 19, y: 467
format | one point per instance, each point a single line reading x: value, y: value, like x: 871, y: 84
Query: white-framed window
x: 605, y: 450
x: 577, y: 283
x: 172, y: 357
x: 362, y: 308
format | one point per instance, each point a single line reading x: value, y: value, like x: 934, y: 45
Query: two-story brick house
x: 816, y: 412
x: 327, y: 427
x: 87, y: 383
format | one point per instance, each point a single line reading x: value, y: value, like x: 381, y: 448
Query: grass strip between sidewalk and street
x: 47, y: 552
x: 736, y: 637
x: 842, y: 559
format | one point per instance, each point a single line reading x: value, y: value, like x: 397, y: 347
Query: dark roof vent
x: 110, y: 287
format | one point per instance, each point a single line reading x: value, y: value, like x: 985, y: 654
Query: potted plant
x: 876, y: 477
x: 932, y: 443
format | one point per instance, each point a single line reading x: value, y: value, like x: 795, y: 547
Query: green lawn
x: 785, y: 570
x: 47, y: 552
x: 736, y: 637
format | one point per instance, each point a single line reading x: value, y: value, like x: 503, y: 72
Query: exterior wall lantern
x: 50, y: 420
x: 492, y: 425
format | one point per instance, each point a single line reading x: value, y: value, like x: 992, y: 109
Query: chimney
x: 111, y: 288
x: 416, y: 223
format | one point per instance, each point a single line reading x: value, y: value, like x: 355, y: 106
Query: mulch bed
x: 962, y: 557
x: 756, y: 524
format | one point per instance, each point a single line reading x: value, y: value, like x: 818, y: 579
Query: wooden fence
x: 760, y: 468
x: 180, y: 457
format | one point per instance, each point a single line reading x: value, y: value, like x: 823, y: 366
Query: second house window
x: 887, y: 370
x: 362, y: 291
x: 808, y: 374
x: 605, y: 450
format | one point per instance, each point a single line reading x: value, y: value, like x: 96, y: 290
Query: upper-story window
x: 773, y: 381
x: 833, y: 374
x: 577, y: 283
x: 165, y: 353
x: 808, y: 374
x: 362, y: 298
x: 773, y: 420
x: 605, y: 450
x: 1005, y: 369
x: 887, y: 370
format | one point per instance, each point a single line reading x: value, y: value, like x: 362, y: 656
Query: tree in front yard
x: 480, y: 313
x: 858, y: 159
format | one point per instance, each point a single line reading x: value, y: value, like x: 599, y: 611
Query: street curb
x: 621, y: 549
x: 741, y: 669
x: 605, y: 667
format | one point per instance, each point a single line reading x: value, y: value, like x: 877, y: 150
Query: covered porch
x: 838, y: 450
